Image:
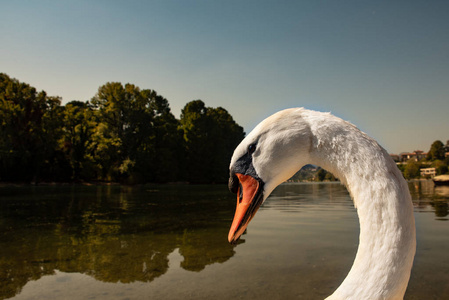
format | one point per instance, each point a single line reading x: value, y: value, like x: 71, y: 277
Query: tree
x: 195, y: 126
x: 137, y: 135
x: 440, y: 167
x: 323, y: 175
x: 320, y: 175
x: 436, y: 151
x: 56, y: 166
x: 164, y: 151
x: 121, y: 110
x: 79, y: 123
x: 411, y: 169
x: 210, y: 136
x: 226, y: 135
x: 122, y: 134
x: 29, y: 130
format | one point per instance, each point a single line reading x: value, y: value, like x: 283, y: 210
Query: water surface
x: 170, y: 242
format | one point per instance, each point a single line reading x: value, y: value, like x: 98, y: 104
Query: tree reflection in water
x: 109, y: 236
x: 114, y: 234
x: 426, y: 197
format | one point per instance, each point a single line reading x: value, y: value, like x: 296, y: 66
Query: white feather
x: 291, y: 138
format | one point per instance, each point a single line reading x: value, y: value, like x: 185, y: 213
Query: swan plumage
x: 284, y: 142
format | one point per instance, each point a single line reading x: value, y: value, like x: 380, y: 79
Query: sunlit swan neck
x: 384, y: 259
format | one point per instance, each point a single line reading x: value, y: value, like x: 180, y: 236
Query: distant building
x: 428, y: 172
x: 416, y: 155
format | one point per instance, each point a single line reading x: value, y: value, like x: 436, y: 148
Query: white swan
x: 284, y: 142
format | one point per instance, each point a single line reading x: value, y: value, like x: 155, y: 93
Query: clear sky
x: 383, y: 65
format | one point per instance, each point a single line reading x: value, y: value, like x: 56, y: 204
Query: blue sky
x: 383, y: 65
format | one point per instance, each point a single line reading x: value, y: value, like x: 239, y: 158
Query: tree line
x: 123, y: 134
x: 436, y: 158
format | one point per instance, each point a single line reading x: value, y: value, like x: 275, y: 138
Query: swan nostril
x: 240, y: 193
x: 233, y: 184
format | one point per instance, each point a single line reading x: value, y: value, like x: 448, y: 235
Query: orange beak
x: 249, y: 199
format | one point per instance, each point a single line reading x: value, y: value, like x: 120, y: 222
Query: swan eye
x: 251, y: 148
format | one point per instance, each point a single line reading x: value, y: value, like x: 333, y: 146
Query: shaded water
x: 170, y: 242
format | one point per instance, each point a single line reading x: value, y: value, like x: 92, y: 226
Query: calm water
x: 170, y: 242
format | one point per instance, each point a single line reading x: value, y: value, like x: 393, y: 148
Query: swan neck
x: 387, y: 242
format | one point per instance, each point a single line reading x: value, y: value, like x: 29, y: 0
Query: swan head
x: 270, y: 154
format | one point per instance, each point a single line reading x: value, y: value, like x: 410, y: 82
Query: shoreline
x: 100, y: 183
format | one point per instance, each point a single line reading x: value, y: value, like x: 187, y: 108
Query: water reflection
x: 429, y: 198
x: 170, y: 242
x: 114, y: 234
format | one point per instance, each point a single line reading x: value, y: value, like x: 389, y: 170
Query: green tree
x: 56, y: 167
x: 320, y: 175
x: 79, y: 124
x: 163, y: 152
x: 226, y: 135
x: 440, y: 166
x: 411, y: 169
x: 210, y: 136
x: 137, y: 135
x: 436, y: 151
x: 330, y: 177
x: 29, y: 130
x: 121, y: 110
x: 195, y: 125
x: 323, y: 175
x: 123, y: 134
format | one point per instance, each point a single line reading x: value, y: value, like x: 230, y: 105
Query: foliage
x: 411, y: 169
x: 307, y: 173
x: 440, y: 166
x: 436, y: 151
x: 436, y: 158
x: 323, y: 175
x: 122, y: 134
x: 127, y: 134
x: 210, y: 136
x: 139, y: 136
x: 29, y: 130
x: 79, y: 125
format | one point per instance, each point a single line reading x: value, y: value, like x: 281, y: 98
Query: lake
x: 170, y: 242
